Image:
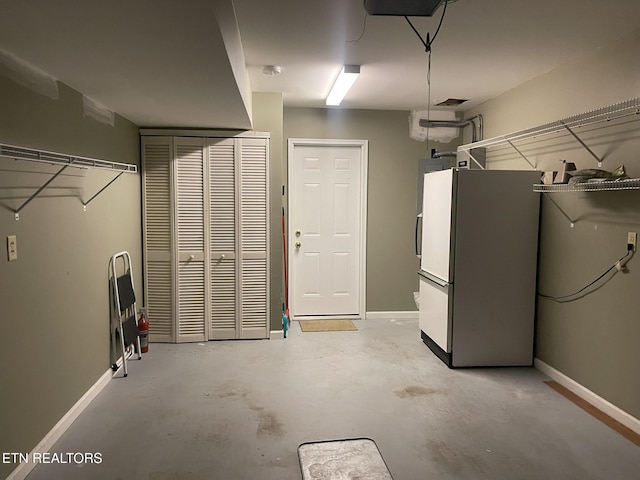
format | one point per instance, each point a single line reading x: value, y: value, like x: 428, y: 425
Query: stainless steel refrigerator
x: 478, y: 264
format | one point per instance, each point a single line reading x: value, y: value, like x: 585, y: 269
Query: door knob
x: 298, y: 244
x: 298, y: 233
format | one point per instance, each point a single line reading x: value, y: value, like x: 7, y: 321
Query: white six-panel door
x: 327, y: 202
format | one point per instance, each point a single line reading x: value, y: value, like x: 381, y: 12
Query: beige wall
x: 54, y: 307
x: 267, y: 117
x: 392, y: 193
x: 593, y: 340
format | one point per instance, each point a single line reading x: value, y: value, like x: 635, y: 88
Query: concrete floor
x: 240, y: 409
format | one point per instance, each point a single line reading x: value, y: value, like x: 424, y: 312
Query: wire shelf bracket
x: 586, y: 147
x: 52, y: 158
x: 594, y: 186
x: 572, y: 222
x: 84, y: 204
x: 521, y: 154
x: 37, y: 192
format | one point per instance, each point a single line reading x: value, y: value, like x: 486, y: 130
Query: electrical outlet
x: 12, y: 248
x: 632, y: 239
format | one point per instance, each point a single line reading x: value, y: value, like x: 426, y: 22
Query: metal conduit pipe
x: 477, y: 131
x: 451, y: 124
x: 444, y: 154
x: 480, y: 126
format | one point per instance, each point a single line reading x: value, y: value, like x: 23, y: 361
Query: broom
x: 285, y: 304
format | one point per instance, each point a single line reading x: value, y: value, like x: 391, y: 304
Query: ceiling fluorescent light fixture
x: 403, y: 8
x: 345, y: 80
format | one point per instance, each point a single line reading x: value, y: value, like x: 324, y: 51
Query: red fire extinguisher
x: 143, y: 332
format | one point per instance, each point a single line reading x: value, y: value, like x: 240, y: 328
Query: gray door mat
x: 348, y: 459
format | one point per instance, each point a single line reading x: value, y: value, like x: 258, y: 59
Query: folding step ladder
x: 124, y: 305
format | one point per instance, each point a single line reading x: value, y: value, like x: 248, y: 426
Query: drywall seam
x: 28, y: 76
x: 97, y: 111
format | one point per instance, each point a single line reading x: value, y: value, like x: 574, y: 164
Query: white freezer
x: 478, y: 266
x: 435, y: 312
x: 436, y: 223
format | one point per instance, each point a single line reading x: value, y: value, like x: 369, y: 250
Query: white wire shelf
x: 601, y: 115
x: 43, y: 156
x: 64, y: 161
x: 591, y: 186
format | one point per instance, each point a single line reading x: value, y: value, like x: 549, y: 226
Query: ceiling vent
x: 451, y: 102
x: 402, y: 8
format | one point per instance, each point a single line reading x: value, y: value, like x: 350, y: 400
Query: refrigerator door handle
x: 418, y: 246
x: 433, y: 278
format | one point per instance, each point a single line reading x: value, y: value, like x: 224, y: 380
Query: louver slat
x: 253, y: 200
x: 191, y: 300
x: 157, y: 238
x: 254, y: 297
x: 223, y: 196
x: 190, y: 190
x: 189, y: 159
x: 222, y: 184
x: 159, y: 302
x: 223, y: 299
x: 157, y: 203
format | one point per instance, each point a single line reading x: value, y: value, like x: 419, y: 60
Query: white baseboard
x: 276, y: 334
x: 392, y: 315
x: 597, y: 401
x: 22, y: 470
x: 324, y: 317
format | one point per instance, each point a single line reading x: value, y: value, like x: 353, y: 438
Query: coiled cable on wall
x: 619, y: 266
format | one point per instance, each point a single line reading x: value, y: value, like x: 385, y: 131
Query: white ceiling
x: 170, y: 63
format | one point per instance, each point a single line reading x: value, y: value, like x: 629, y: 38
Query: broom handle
x: 286, y: 277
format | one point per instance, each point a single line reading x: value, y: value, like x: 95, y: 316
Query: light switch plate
x: 12, y: 248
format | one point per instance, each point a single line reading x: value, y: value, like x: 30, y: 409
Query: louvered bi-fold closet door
x: 223, y: 192
x: 156, y: 177
x: 254, y: 221
x: 190, y: 234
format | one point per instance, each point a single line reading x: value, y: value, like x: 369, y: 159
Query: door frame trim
x: 364, y: 172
